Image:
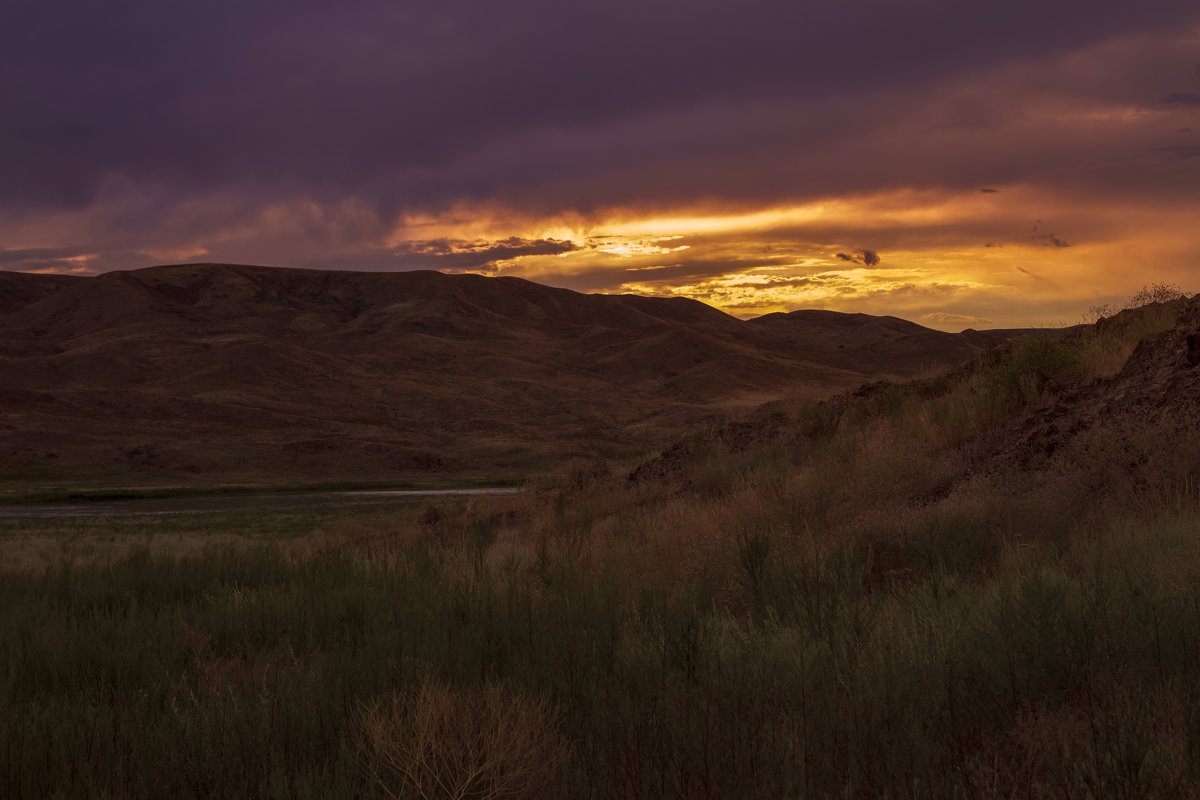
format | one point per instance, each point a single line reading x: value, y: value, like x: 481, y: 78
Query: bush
x: 1036, y: 365
x: 1154, y: 293
x: 483, y: 742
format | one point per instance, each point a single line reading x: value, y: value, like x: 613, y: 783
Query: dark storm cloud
x: 455, y: 255
x: 388, y: 100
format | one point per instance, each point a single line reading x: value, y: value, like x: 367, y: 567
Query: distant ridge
x: 19, y: 289
x: 206, y: 372
x: 876, y: 344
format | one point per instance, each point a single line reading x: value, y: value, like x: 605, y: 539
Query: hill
x: 214, y: 372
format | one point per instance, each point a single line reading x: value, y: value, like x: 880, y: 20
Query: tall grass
x: 869, y: 604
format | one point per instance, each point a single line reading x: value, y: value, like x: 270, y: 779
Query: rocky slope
x: 1156, y: 390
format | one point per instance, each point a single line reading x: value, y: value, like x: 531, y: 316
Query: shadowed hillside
x: 218, y: 372
x: 18, y: 289
x: 876, y: 344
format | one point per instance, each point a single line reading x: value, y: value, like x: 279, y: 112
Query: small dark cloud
x: 868, y: 258
x: 1183, y: 98
x: 989, y: 190
x: 1046, y: 239
x: 993, y: 244
x: 459, y: 254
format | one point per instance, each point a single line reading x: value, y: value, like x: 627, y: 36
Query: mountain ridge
x: 217, y: 371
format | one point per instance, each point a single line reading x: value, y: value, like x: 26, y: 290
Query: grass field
x: 874, y: 601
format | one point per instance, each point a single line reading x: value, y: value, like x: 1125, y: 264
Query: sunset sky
x: 960, y: 164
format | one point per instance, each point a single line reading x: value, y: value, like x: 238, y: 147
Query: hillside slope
x: 225, y: 372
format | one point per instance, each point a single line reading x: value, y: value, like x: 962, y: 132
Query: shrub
x: 1036, y: 365
x: 483, y: 742
x: 1155, y: 293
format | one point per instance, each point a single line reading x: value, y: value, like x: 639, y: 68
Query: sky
x: 960, y: 164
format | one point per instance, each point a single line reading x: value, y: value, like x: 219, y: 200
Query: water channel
x: 241, y: 502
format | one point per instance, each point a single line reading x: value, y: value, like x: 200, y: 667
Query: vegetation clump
x: 482, y: 742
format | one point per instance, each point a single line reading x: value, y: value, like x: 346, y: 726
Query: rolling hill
x: 212, y: 372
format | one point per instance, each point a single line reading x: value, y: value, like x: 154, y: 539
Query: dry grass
x: 485, y: 742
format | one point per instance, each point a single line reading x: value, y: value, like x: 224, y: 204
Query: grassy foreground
x: 867, y: 599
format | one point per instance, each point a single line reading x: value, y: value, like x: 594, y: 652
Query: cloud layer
x: 652, y: 145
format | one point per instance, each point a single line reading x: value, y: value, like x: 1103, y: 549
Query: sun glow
x: 1011, y: 254
x: 632, y: 248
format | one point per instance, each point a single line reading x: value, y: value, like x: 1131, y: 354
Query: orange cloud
x: 947, y: 258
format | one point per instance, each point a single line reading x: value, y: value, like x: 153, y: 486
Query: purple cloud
x: 292, y: 132
x: 382, y: 99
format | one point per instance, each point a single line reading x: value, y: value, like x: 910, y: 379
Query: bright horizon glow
x: 946, y: 260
